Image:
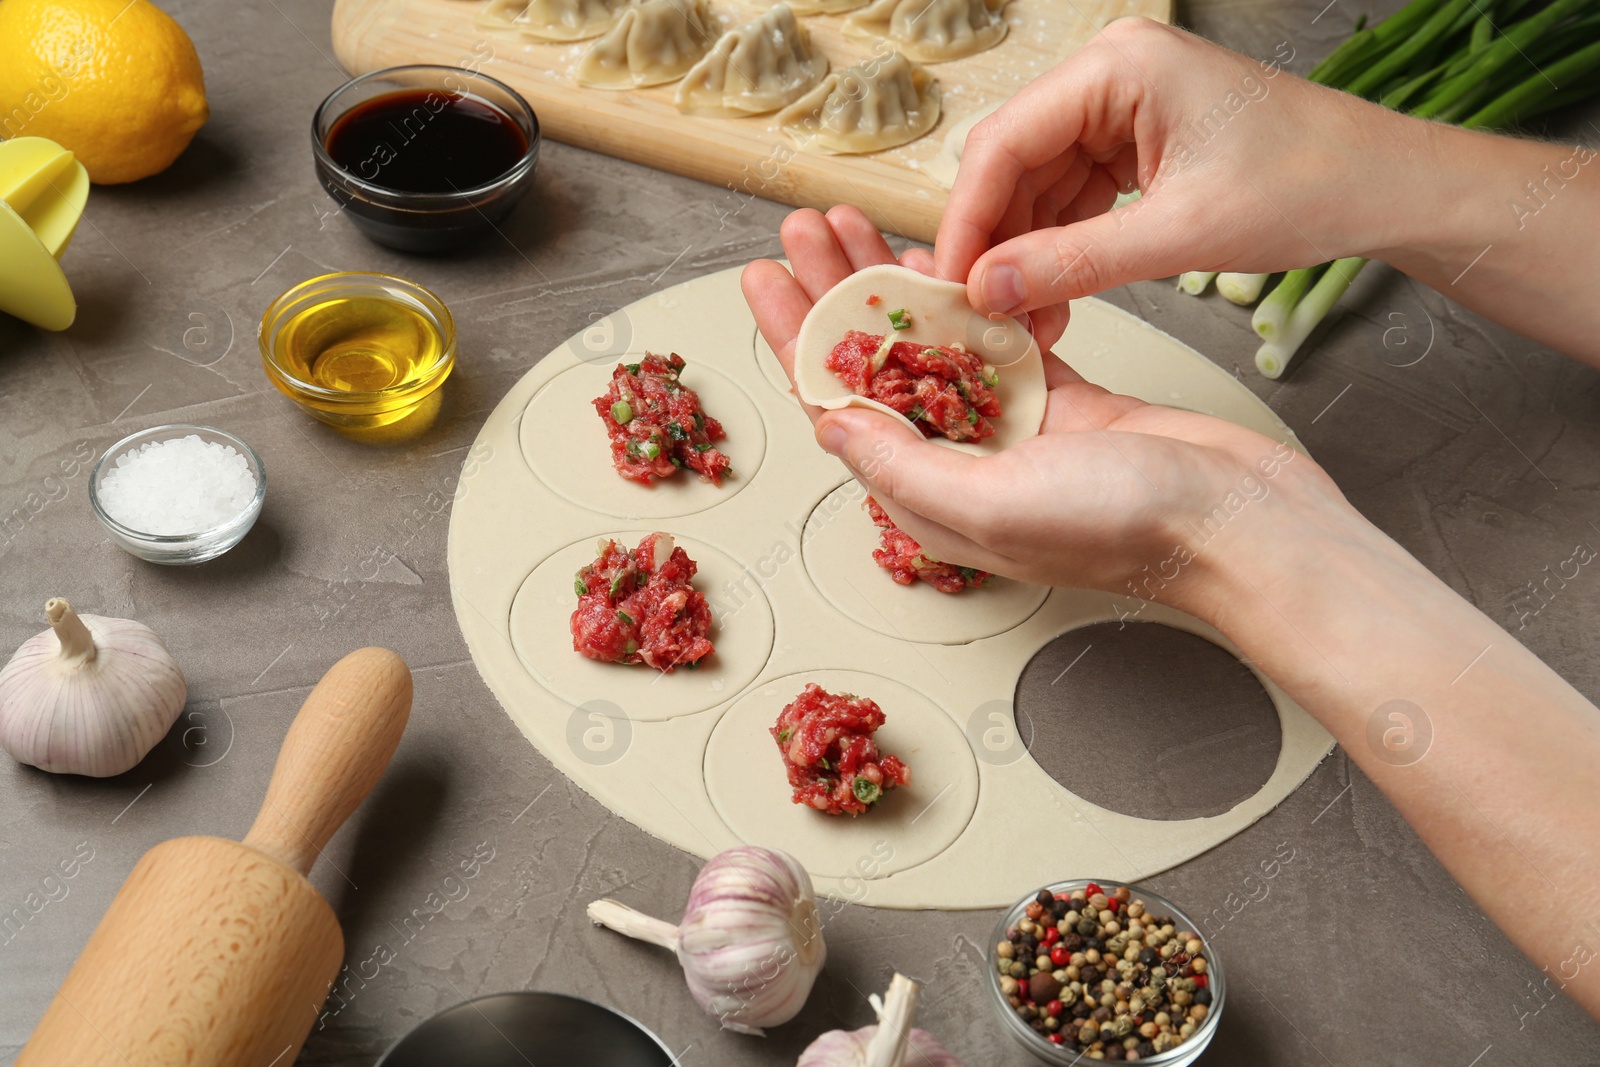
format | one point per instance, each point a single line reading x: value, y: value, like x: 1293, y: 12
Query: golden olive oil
x: 360, y: 344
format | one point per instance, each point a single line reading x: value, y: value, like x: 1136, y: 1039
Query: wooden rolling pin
x: 220, y: 954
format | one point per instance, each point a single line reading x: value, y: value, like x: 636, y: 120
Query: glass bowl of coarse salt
x: 178, y: 494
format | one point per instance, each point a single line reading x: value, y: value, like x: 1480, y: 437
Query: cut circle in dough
x: 940, y: 315
x: 574, y: 459
x: 837, y: 549
x: 946, y: 164
x: 771, y: 369
x: 745, y: 777
x: 741, y: 630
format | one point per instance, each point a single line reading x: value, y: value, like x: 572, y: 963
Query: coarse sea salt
x: 181, y: 486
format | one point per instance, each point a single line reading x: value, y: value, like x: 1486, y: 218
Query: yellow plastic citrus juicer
x: 43, y: 188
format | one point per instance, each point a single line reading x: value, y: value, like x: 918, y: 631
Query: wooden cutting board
x: 747, y: 156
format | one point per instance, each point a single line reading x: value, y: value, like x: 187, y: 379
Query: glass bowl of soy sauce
x: 425, y: 158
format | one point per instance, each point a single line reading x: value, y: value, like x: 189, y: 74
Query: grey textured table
x: 1479, y: 457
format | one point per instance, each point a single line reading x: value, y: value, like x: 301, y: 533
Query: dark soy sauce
x: 426, y: 141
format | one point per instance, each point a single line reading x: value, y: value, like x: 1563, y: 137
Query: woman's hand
x: 1114, y: 491
x: 1111, y: 490
x: 1242, y: 168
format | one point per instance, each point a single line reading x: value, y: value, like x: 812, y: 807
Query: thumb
x: 1061, y: 263
x: 896, y: 462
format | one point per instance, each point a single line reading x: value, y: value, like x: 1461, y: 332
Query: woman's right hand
x: 1242, y: 168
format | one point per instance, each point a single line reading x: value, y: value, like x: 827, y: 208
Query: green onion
x: 631, y: 368
x: 899, y: 319
x: 1487, y: 64
x: 651, y: 450
x: 991, y: 377
x: 624, y: 618
x: 702, y: 448
x: 784, y: 735
x: 617, y: 581
x: 1395, y: 62
x: 699, y: 421
x: 1241, y: 289
x: 824, y: 764
x: 630, y: 647
x: 580, y: 586
x: 622, y: 411
x: 1270, y: 316
x: 1448, y: 99
x: 675, y: 431
x: 1534, y: 90
x: 1195, y: 282
x: 916, y: 413
x: 865, y: 791
x: 972, y: 416
x: 1274, y: 357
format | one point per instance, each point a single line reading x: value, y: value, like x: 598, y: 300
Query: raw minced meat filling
x: 900, y: 555
x: 828, y: 750
x: 656, y: 424
x: 639, y: 607
x: 945, y: 391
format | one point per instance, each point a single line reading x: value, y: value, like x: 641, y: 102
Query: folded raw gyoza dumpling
x: 501, y: 14
x: 930, y: 31
x: 816, y: 7
x: 877, y: 104
x: 754, y: 68
x: 655, y: 42
x: 553, y: 20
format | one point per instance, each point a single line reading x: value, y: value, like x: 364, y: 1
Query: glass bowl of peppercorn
x: 1098, y: 970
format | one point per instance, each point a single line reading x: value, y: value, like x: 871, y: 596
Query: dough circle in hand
x: 940, y: 315
x: 838, y: 544
x: 565, y: 443
x: 741, y: 630
x: 910, y: 825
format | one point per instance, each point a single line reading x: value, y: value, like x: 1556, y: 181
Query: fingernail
x: 831, y: 437
x: 1003, y: 288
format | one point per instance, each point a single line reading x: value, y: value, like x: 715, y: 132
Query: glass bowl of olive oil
x: 358, y: 350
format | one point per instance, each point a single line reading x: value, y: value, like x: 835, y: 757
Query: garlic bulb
x: 750, y: 942
x: 90, y: 695
x: 892, y: 1043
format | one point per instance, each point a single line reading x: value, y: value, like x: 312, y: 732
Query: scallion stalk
x: 1274, y: 357
x: 1446, y: 101
x: 1398, y: 61
x: 1273, y: 312
x: 1241, y: 289
x: 1528, y: 94
x: 1195, y: 282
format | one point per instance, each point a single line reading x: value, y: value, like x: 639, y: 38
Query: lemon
x: 115, y: 81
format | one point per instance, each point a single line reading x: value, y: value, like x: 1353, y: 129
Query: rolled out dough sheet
x: 686, y: 756
x: 909, y: 826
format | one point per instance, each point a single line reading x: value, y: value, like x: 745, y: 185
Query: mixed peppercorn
x: 1096, y: 972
